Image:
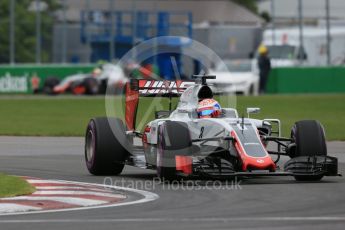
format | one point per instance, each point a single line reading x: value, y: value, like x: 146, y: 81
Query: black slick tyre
x: 105, y: 153
x: 309, y: 137
x: 173, y: 139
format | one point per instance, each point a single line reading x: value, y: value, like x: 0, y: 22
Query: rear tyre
x: 104, y: 152
x: 173, y: 139
x: 309, y: 137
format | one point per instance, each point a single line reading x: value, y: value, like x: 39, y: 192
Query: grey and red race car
x: 107, y: 75
x: 178, y: 143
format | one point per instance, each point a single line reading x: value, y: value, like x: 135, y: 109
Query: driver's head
x: 96, y: 72
x: 208, y: 108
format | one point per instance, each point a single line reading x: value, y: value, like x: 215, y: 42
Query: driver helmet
x: 208, y: 108
x: 96, y: 72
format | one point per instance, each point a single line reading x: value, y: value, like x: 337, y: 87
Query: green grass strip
x: 11, y: 186
x: 63, y: 116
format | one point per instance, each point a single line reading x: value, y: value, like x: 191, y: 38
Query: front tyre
x: 105, y: 153
x: 309, y: 137
x: 173, y: 139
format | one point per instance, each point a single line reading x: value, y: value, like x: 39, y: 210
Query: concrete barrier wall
x: 307, y: 80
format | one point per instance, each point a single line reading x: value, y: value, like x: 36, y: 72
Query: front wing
x: 298, y: 166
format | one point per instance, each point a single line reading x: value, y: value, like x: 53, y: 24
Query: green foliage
x: 265, y: 15
x: 25, y: 31
x: 249, y: 4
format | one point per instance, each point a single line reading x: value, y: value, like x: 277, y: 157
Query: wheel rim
x: 90, y: 147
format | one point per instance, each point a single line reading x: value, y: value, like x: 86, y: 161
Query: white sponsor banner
x: 14, y: 84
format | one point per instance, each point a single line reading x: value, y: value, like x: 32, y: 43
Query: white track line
x: 147, y: 197
x: 176, y: 220
x: 64, y: 192
x: 38, y: 181
x: 68, y: 200
x: 52, y: 188
x: 7, y: 208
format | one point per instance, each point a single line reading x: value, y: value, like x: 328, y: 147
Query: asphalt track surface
x: 262, y: 203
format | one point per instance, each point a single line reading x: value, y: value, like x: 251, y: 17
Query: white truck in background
x: 285, y: 49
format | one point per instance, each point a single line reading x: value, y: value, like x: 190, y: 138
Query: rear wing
x: 146, y: 88
x: 159, y: 88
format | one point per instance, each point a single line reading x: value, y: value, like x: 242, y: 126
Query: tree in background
x: 249, y: 4
x: 265, y: 15
x: 252, y: 6
x: 25, y: 30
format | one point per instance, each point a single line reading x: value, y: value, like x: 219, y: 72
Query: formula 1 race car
x: 107, y: 75
x: 179, y: 143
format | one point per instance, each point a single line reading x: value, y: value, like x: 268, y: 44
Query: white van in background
x: 285, y: 49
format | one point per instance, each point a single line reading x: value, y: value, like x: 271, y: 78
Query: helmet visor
x: 207, y: 112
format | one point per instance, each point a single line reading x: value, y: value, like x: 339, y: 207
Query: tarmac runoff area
x: 258, y: 203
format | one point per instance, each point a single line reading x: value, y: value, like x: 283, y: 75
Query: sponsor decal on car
x: 163, y: 87
x: 260, y: 161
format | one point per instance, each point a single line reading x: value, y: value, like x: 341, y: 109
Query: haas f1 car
x: 179, y: 143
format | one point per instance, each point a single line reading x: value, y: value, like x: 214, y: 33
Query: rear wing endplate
x: 141, y: 87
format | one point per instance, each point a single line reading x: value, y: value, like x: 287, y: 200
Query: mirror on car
x: 253, y: 111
